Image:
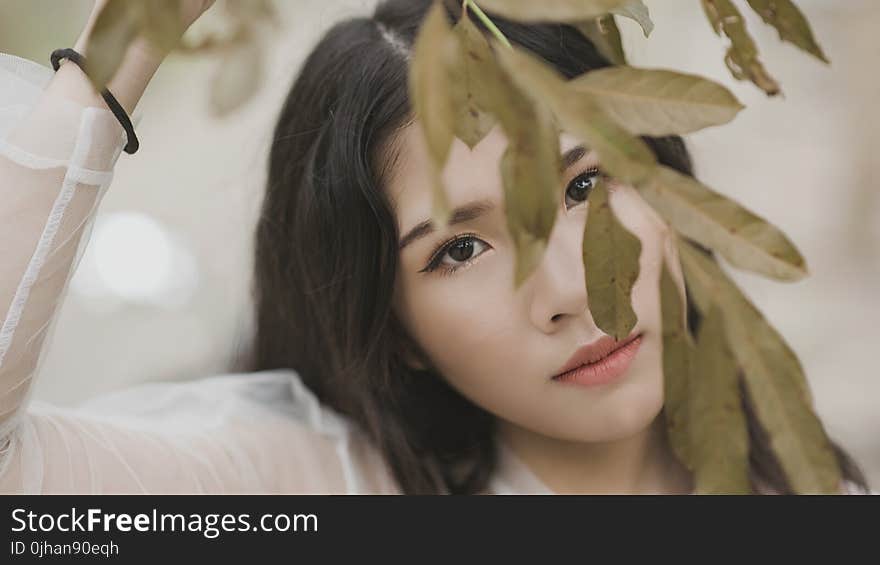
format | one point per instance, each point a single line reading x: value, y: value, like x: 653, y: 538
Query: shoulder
x: 846, y: 488
x: 270, y: 415
x: 252, y: 399
x: 23, y: 81
x: 26, y: 70
x: 849, y: 487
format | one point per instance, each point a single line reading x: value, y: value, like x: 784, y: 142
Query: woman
x: 389, y: 355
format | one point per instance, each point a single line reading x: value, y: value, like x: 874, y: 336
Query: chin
x: 628, y: 411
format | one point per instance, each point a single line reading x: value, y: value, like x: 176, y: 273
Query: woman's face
x: 500, y: 346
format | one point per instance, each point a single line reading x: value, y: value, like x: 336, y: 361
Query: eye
x: 578, y: 190
x: 456, y: 253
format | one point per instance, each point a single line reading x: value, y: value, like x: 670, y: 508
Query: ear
x: 412, y: 353
x: 413, y: 357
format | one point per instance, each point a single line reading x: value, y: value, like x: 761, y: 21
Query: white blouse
x: 259, y: 432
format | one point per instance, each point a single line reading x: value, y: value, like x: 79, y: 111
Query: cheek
x: 463, y: 322
x: 471, y: 327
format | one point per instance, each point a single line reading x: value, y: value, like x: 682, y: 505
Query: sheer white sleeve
x: 260, y: 432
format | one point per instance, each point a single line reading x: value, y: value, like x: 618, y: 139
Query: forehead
x: 468, y: 175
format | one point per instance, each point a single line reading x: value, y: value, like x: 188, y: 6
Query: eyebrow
x: 572, y: 156
x: 478, y: 208
x: 465, y: 213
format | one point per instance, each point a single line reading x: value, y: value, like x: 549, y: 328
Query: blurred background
x: 163, y: 289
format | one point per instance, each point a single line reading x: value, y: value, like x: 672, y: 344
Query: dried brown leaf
x: 742, y: 56
x: 531, y: 176
x: 611, y: 266
x: 742, y: 237
x: 551, y: 10
x: 626, y: 157
x: 677, y: 358
x: 636, y: 10
x: 791, y: 24
x: 467, y: 83
x: 658, y: 102
x: 605, y: 35
x: 719, y: 437
x: 435, y: 53
x: 773, y: 376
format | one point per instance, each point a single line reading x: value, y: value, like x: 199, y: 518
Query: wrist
x: 139, y: 63
x: 144, y: 53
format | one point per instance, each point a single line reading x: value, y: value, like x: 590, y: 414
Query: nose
x: 559, y: 291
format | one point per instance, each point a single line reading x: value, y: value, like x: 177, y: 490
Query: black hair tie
x: 133, y: 144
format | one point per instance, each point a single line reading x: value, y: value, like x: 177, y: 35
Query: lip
x: 600, y: 362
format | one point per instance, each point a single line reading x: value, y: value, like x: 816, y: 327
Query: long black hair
x: 327, y: 255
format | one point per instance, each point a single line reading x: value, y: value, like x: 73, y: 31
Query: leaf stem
x: 490, y: 25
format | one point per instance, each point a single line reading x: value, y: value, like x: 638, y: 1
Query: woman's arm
x: 58, y: 145
x: 128, y: 84
x: 134, y: 74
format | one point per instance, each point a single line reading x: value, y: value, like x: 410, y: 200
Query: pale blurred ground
x: 188, y: 200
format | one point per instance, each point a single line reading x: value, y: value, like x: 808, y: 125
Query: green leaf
x: 626, y: 157
x: 773, y: 376
x: 435, y: 52
x: 469, y: 94
x: 677, y: 357
x: 742, y: 57
x: 636, y: 10
x: 551, y: 10
x: 709, y: 218
x: 717, y: 428
x: 791, y: 24
x: 605, y: 35
x: 656, y: 102
x: 115, y: 28
x: 611, y: 266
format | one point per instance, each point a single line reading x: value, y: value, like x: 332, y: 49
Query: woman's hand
x: 193, y: 10
x: 190, y: 12
x: 139, y: 64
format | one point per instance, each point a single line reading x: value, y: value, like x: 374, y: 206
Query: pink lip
x: 600, y: 362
